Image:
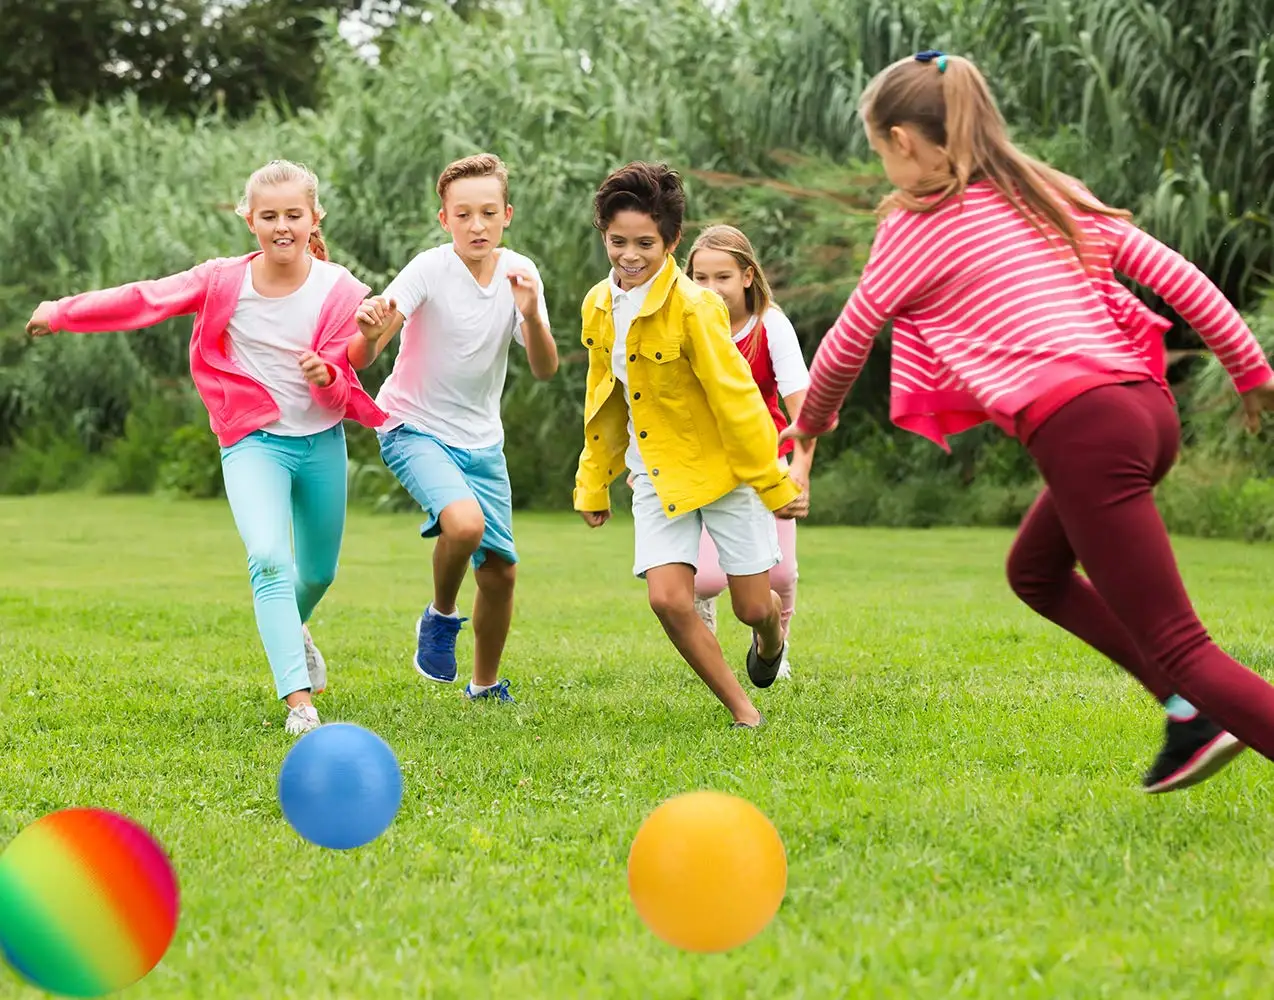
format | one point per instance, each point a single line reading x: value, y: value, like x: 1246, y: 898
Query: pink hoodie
x: 237, y: 404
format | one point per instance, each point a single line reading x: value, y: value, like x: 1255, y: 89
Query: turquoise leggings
x: 284, y: 490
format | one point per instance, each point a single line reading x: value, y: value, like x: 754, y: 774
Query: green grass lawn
x: 956, y: 781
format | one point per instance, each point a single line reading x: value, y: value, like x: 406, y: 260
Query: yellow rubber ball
x: 707, y: 871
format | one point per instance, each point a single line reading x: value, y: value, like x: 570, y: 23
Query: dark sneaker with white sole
x: 436, y: 646
x: 1193, y: 751
x: 762, y: 672
x: 498, y: 692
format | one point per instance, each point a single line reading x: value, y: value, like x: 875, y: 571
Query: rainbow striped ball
x: 88, y: 902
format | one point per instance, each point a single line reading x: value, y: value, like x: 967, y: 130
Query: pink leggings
x: 710, y: 579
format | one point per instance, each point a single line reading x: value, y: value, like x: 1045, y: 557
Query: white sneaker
x: 301, y: 719
x: 314, y: 663
x: 707, y: 610
x: 785, y: 667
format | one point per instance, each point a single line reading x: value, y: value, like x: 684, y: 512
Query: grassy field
x: 956, y: 781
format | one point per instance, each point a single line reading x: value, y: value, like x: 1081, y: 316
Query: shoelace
x: 500, y: 691
x: 443, y: 630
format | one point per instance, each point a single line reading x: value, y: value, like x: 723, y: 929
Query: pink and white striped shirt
x: 989, y: 317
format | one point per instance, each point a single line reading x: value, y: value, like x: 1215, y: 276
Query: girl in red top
x: 723, y: 259
x: 998, y: 273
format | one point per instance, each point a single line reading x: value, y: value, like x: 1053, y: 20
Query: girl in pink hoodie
x: 268, y: 358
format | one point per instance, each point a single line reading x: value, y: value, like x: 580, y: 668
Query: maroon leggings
x: 1101, y: 455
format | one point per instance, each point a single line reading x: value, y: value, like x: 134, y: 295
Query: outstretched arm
x: 125, y: 307
x: 1196, y: 299
x: 837, y: 364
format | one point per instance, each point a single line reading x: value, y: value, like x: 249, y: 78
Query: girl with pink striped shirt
x: 998, y: 274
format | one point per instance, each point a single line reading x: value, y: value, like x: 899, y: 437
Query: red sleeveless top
x: 755, y: 348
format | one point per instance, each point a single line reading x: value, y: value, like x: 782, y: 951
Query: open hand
x: 595, y: 518
x: 1255, y: 402
x: 38, y: 324
x: 315, y: 370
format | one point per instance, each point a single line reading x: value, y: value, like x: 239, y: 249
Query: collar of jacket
x: 655, y: 298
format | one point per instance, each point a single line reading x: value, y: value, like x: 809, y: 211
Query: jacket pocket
x: 591, y: 336
x: 660, y: 352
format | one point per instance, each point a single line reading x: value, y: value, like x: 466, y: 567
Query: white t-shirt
x: 454, y: 355
x: 269, y: 335
x: 785, y: 351
x: 624, y: 309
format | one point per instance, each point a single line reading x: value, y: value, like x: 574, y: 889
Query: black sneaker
x: 763, y: 672
x: 745, y: 725
x: 1193, y: 751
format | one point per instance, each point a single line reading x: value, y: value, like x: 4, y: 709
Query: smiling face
x: 720, y: 271
x: 282, y: 219
x: 476, y: 215
x: 635, y: 248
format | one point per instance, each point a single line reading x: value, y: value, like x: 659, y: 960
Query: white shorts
x: 741, y: 526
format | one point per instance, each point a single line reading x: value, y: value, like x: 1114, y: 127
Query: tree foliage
x: 1162, y: 108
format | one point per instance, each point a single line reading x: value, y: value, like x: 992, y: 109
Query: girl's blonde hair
x: 757, y: 297
x: 287, y: 172
x: 948, y: 101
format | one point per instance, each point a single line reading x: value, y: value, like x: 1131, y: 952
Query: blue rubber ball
x: 340, y: 786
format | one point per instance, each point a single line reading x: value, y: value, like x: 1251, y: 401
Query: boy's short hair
x: 651, y: 188
x: 478, y: 165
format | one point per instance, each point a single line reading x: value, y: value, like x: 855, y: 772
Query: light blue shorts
x: 437, y: 475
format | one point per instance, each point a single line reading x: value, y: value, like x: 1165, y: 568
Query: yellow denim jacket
x: 702, y: 426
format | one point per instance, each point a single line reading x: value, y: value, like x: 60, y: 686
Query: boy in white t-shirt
x: 463, y: 304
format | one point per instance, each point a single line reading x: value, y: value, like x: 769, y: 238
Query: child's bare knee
x: 752, y: 610
x: 672, y: 608
x: 495, y: 576
x: 463, y: 525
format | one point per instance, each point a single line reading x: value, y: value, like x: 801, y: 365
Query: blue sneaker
x: 436, y: 645
x: 500, y: 692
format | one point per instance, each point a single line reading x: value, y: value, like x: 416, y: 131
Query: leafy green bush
x: 754, y: 101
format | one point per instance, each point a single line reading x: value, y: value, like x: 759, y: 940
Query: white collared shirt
x: 625, y: 305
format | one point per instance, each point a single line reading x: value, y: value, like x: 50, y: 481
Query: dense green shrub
x: 1161, y: 108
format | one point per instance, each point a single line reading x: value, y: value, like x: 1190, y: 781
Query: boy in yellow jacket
x: 671, y: 398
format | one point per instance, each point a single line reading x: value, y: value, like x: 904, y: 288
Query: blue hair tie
x: 930, y: 55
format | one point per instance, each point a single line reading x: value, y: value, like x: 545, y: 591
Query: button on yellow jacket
x: 701, y: 423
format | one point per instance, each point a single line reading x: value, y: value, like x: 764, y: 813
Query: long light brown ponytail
x: 948, y: 101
